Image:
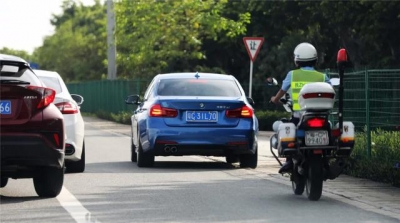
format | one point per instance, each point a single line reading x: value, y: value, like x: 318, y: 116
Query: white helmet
x: 305, y: 52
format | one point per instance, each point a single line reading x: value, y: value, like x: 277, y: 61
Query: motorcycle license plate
x: 317, y: 138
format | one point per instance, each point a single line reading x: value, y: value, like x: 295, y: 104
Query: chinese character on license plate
x: 317, y: 138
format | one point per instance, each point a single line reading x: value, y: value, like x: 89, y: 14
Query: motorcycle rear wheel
x: 315, y: 178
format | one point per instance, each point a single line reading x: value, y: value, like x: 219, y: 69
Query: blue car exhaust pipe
x: 174, y: 149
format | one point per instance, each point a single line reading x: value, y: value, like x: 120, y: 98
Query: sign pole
x: 251, y: 78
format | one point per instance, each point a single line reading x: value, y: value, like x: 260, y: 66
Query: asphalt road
x: 177, y: 189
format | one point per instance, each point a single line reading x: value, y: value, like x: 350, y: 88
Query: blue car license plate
x: 201, y: 116
x: 5, y: 107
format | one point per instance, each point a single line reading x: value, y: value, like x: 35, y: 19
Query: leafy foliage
x: 19, y: 53
x: 122, y: 117
x: 168, y: 36
x: 385, y: 153
x: 77, y: 49
x: 267, y: 118
x: 159, y: 36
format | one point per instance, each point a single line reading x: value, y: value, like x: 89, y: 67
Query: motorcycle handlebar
x: 285, y: 102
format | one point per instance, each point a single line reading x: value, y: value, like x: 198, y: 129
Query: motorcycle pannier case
x: 317, y: 97
x: 286, y: 137
x: 347, y: 137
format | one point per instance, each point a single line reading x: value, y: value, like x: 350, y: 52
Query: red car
x: 32, y: 132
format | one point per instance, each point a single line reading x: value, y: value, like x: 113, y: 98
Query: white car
x: 69, y: 105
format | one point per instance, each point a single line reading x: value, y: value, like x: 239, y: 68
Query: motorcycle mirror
x: 335, y: 81
x: 272, y: 81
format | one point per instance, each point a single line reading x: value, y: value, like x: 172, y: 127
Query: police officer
x: 305, y: 58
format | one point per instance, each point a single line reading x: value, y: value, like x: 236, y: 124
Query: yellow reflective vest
x: 299, y: 79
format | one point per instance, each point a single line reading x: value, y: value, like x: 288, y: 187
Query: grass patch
x: 385, y: 154
x: 88, y: 114
x: 122, y: 117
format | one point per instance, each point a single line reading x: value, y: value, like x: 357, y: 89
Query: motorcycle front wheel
x: 298, y: 187
x: 315, y: 178
x: 298, y: 183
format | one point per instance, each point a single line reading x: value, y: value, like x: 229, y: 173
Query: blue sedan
x: 194, y: 114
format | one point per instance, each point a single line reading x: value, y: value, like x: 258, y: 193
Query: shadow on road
x: 159, y: 167
x: 12, y: 200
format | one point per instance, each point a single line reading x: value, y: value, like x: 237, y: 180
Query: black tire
x: 249, y: 160
x: 315, y: 178
x: 144, y: 159
x: 3, y: 182
x: 49, y: 182
x: 77, y: 166
x: 232, y: 159
x: 298, y: 183
x: 133, y: 152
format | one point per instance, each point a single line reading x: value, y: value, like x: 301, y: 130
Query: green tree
x: 186, y: 35
x: 19, y: 53
x: 77, y: 49
x: 167, y: 36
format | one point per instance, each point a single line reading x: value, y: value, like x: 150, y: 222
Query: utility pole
x: 111, y: 47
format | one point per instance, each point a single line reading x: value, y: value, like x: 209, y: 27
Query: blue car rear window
x: 198, y: 87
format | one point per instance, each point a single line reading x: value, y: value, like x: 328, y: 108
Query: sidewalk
x: 366, y: 194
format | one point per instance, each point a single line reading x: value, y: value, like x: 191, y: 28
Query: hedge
x: 383, y: 164
x: 267, y: 118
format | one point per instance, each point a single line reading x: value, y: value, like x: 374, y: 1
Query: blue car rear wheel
x: 144, y: 159
x: 133, y: 152
x: 249, y: 160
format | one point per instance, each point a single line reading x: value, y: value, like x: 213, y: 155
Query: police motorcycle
x: 318, y: 149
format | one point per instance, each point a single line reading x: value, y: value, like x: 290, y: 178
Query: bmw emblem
x: 201, y: 105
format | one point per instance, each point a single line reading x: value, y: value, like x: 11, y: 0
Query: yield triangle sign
x: 253, y: 46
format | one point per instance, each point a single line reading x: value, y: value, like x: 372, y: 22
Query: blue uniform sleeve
x: 327, y: 80
x: 287, y: 81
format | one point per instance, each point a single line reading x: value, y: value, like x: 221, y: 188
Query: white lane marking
x: 75, y: 208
